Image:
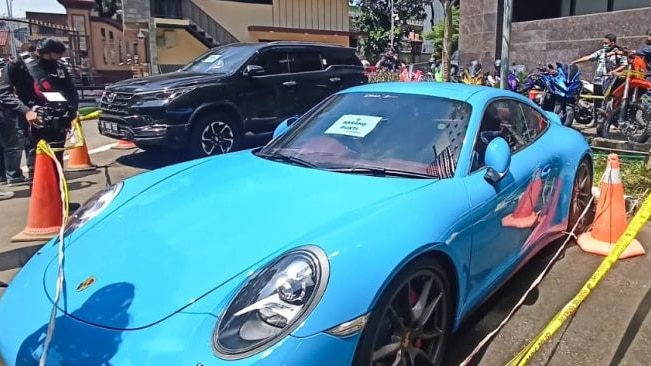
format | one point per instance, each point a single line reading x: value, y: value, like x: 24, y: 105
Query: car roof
x: 261, y: 45
x: 456, y: 91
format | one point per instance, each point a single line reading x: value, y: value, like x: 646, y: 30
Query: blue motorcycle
x: 562, y: 88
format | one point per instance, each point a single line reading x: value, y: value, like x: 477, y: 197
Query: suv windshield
x: 223, y: 60
x: 378, y: 133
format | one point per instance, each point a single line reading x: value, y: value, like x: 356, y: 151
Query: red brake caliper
x: 413, y: 299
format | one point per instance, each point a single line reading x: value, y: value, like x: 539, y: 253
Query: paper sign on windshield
x: 211, y: 58
x: 353, y: 125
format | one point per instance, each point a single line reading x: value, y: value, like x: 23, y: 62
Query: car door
x: 269, y: 98
x: 311, y: 82
x: 504, y: 213
x: 343, y: 69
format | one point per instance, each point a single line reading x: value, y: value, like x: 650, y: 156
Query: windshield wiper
x: 381, y: 172
x: 288, y: 159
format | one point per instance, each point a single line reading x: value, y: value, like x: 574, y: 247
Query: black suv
x: 208, y: 106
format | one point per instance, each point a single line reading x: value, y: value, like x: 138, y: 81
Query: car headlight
x: 272, y: 303
x: 95, y: 204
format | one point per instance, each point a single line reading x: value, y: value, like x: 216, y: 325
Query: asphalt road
x: 611, y: 328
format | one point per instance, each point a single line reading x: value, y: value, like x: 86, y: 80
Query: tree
x: 375, y: 20
x: 107, y: 8
x: 436, y: 35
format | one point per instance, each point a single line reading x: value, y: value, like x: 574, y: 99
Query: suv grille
x: 116, y: 103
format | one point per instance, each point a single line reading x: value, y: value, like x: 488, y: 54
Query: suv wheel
x: 215, y: 133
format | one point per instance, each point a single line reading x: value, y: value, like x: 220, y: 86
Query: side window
x: 536, y: 122
x: 273, y: 62
x: 305, y: 62
x: 502, y: 118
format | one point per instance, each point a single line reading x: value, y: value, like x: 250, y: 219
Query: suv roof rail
x: 307, y: 43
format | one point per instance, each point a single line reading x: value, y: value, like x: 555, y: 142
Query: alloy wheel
x: 414, y: 325
x: 217, y: 137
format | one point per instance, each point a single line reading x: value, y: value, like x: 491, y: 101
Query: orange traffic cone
x: 79, y: 159
x: 610, y: 221
x: 524, y: 215
x: 45, y: 207
x: 124, y: 145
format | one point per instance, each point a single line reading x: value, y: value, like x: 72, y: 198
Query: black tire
x: 215, y: 133
x: 581, y: 195
x: 636, y: 110
x: 584, y: 111
x: 386, y: 328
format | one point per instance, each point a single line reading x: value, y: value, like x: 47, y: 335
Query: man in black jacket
x: 24, y: 86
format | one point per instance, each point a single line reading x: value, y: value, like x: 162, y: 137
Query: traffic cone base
x: 589, y: 244
x: 124, y: 145
x: 45, y: 216
x: 28, y: 235
x: 520, y: 222
x: 79, y: 160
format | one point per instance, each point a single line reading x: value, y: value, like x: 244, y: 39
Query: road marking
x: 90, y: 152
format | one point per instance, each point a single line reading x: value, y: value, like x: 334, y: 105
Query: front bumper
x: 181, y: 339
x: 144, y: 130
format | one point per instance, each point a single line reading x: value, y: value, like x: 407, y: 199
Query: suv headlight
x: 91, y: 208
x: 272, y: 303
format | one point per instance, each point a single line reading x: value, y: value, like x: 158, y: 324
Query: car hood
x: 180, y: 79
x: 186, y: 236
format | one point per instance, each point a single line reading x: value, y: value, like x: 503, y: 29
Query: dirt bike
x: 627, y: 105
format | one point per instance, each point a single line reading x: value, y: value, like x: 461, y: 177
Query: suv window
x: 273, y: 62
x: 341, y: 59
x: 305, y: 62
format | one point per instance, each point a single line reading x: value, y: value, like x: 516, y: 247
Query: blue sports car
x: 362, y: 234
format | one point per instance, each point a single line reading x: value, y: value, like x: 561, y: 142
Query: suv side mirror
x: 497, y: 160
x: 284, y: 126
x: 253, y: 70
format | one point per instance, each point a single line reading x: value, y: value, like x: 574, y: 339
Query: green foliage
x: 635, y: 177
x: 374, y: 19
x: 436, y: 35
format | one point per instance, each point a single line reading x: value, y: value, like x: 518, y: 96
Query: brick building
x: 551, y: 30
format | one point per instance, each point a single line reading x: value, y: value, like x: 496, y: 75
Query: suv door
x: 268, y: 98
x: 312, y: 84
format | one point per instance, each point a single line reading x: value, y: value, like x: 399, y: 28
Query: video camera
x: 56, y: 113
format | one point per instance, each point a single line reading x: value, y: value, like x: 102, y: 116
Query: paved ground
x: 611, y: 328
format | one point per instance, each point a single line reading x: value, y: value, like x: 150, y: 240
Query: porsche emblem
x: 86, y: 284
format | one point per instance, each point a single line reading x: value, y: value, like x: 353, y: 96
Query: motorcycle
x: 473, y: 75
x: 561, y: 92
x: 627, y: 105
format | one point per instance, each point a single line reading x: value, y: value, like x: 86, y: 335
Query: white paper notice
x: 353, y: 125
x: 211, y: 58
x: 54, y: 97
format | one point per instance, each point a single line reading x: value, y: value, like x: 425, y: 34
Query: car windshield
x: 223, y: 60
x: 378, y: 133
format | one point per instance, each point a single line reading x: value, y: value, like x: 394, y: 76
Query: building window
x: 103, y: 32
x: 527, y: 10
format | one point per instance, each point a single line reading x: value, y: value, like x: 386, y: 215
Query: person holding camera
x: 28, y: 86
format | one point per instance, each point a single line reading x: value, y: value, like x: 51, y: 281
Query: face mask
x: 648, y: 41
x: 608, y: 47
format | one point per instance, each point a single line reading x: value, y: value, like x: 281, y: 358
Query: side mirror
x: 497, y: 160
x: 253, y: 70
x: 284, y: 126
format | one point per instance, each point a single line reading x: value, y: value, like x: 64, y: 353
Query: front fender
x: 365, y: 256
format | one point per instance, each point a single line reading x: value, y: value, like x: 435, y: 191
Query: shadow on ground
x: 17, y: 258
x: 489, y: 315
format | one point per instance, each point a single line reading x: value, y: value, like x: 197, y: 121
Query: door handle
x: 335, y: 79
x: 289, y: 83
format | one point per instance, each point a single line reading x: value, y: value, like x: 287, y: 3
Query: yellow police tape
x: 93, y: 115
x: 557, y: 321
